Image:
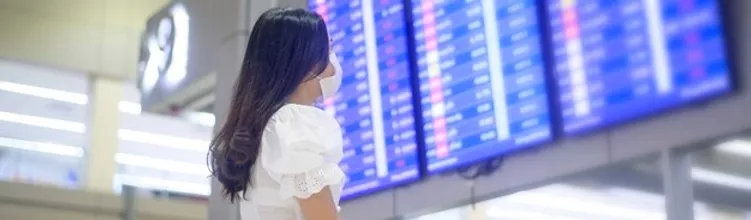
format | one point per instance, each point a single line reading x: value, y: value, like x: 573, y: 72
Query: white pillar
x: 104, y: 118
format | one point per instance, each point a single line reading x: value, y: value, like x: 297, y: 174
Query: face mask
x: 329, y: 85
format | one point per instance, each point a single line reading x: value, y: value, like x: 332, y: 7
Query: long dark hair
x: 286, y: 47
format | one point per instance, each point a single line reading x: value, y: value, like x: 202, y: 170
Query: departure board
x: 481, y: 76
x: 374, y: 105
x: 620, y: 59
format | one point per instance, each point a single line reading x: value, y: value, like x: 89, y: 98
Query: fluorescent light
x: 161, y: 164
x: 59, y: 95
x: 739, y: 147
x: 202, y: 118
x: 50, y: 123
x: 161, y: 184
x: 125, y: 159
x: 57, y: 149
x: 120, y: 158
x: 129, y: 107
x: 63, y: 96
x: 124, y: 134
x: 163, y: 140
x: 723, y: 179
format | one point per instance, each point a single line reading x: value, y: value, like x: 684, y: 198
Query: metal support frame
x: 677, y: 184
x: 129, y: 202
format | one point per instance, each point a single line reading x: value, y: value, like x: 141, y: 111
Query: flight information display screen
x: 481, y: 76
x: 621, y: 59
x: 374, y: 105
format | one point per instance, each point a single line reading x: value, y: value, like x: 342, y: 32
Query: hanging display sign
x: 163, y: 58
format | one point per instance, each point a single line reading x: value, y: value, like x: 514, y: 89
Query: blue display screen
x: 374, y: 105
x: 481, y: 77
x: 616, y: 60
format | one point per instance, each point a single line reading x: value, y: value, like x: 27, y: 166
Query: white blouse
x: 300, y: 152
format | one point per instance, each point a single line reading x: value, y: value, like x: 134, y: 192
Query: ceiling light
x: 50, y: 123
x: 123, y: 134
x: 120, y: 158
x: 718, y: 178
x: 63, y: 96
x: 202, y: 118
x: 129, y: 107
x: 738, y: 147
x: 57, y: 149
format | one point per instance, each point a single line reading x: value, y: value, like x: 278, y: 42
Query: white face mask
x: 329, y: 85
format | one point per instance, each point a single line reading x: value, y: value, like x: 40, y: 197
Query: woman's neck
x: 305, y: 94
x: 301, y: 99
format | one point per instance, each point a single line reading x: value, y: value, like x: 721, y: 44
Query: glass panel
x: 42, y: 133
x: 162, y: 156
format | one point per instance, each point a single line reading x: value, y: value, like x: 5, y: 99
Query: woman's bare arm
x: 319, y: 206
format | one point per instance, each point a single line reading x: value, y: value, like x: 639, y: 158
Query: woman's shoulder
x: 304, y: 121
x: 303, y: 115
x: 295, y: 132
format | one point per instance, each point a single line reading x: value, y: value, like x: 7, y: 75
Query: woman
x: 277, y: 154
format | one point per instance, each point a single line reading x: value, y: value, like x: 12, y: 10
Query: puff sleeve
x: 302, y: 149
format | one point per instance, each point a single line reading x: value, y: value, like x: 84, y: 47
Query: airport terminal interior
x: 450, y: 109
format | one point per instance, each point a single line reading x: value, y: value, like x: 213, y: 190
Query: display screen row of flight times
x: 374, y: 104
x: 481, y: 77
